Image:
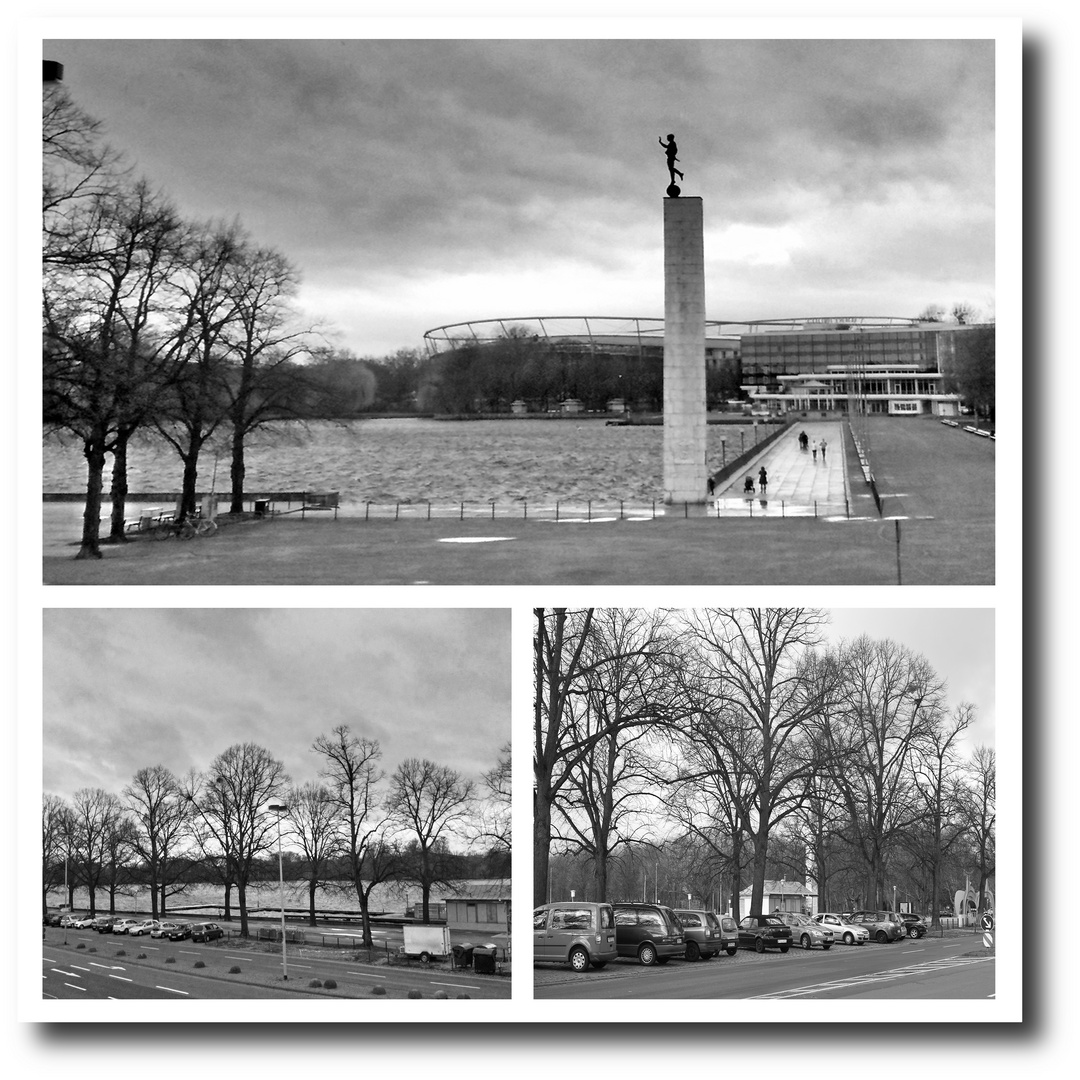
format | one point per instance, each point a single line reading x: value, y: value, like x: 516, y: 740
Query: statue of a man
x: 671, y: 150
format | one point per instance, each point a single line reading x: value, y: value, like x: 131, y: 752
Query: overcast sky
x: 419, y: 183
x: 125, y: 688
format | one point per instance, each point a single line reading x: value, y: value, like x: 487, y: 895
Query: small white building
x: 780, y: 896
x: 480, y: 905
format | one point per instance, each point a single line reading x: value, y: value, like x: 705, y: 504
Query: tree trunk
x: 241, y: 899
x: 313, y: 884
x: 119, y: 487
x: 541, y: 847
x: 94, y: 452
x: 237, y: 470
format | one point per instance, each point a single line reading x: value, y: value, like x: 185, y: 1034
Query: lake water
x: 416, y: 460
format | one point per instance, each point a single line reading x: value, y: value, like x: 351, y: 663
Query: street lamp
x: 278, y: 809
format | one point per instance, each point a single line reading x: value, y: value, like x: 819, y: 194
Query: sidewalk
x: 800, y: 485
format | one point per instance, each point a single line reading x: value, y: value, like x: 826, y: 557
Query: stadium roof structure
x: 600, y: 329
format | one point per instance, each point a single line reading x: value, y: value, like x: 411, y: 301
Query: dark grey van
x: 649, y: 932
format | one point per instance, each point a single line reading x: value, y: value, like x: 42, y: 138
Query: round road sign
x: 988, y: 921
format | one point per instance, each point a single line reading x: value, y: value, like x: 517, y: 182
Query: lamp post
x: 278, y: 809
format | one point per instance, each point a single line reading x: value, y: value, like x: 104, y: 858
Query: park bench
x: 320, y: 500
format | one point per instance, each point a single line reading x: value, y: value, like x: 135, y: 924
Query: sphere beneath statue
x: 674, y: 191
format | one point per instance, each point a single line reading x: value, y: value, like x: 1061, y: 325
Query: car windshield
x: 772, y: 920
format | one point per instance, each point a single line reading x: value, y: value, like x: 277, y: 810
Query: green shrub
x: 414, y: 993
x: 440, y: 995
x: 378, y: 991
x: 170, y: 959
x: 121, y: 952
x: 315, y: 984
x: 463, y: 996
x: 141, y: 956
x: 234, y: 970
x: 199, y: 964
x: 81, y: 945
x: 330, y: 984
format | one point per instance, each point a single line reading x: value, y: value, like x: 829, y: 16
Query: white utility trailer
x: 426, y: 942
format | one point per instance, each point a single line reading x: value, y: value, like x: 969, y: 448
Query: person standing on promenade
x: 763, y: 480
x: 803, y: 440
x: 823, y: 444
x: 813, y: 449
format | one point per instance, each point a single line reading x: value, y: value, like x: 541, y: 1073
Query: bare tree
x: 55, y: 830
x: 892, y: 700
x: 313, y: 817
x: 96, y: 815
x: 161, y: 817
x: 494, y: 818
x: 980, y: 813
x: 766, y: 689
x: 570, y: 654
x: 429, y: 802
x: 231, y: 800
x: 354, y: 777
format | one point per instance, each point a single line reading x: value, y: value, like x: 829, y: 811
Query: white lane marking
x: 303, y: 967
x: 70, y: 974
x: 52, y: 996
x: 365, y: 975
x: 77, y: 968
x: 172, y: 991
x: 74, y: 987
x: 121, y: 978
x: 49, y: 960
x: 459, y: 986
x: 473, y: 539
x: 877, y: 976
x: 236, y: 958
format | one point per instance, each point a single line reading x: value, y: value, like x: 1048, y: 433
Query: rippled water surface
x: 417, y: 460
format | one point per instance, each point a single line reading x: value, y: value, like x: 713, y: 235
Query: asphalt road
x: 927, y: 968
x: 70, y: 972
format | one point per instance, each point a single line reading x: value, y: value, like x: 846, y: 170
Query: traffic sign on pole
x: 988, y: 939
x: 988, y: 921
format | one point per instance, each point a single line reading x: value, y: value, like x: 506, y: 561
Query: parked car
x: 729, y: 934
x: 578, y: 933
x: 761, y: 932
x: 81, y: 922
x: 103, y: 924
x: 163, y: 929
x: 69, y: 919
x: 143, y: 926
x: 847, y: 932
x: 884, y: 926
x: 206, y: 931
x: 180, y: 932
x: 806, y: 931
x: 122, y: 926
x: 649, y: 932
x: 701, y: 931
x: 52, y: 918
x: 914, y: 925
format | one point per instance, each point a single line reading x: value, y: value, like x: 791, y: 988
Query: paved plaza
x: 801, y: 483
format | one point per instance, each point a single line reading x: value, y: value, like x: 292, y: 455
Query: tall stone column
x: 685, y: 473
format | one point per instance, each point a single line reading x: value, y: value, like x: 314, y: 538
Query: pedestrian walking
x: 813, y: 449
x: 803, y: 440
x: 822, y: 446
x: 763, y: 480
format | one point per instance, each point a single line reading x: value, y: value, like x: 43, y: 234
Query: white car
x: 146, y: 926
x: 163, y: 929
x: 122, y: 926
x: 81, y: 921
x: 848, y: 933
x: 807, y: 932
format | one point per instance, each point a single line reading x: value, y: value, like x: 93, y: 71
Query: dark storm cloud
x: 124, y: 689
x: 408, y: 178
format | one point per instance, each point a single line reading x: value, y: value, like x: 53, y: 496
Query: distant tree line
x: 708, y: 751
x: 350, y: 831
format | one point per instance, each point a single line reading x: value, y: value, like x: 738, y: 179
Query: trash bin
x: 463, y: 954
x: 262, y: 507
x: 484, y: 959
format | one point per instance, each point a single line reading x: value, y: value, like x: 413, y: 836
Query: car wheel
x: 579, y: 959
x: 732, y: 950
x: 849, y: 938
x: 692, y: 951
x: 882, y: 938
x: 783, y: 948
x: 805, y: 942
x: 912, y: 932
x: 759, y: 945
x: 425, y: 958
x: 647, y: 955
